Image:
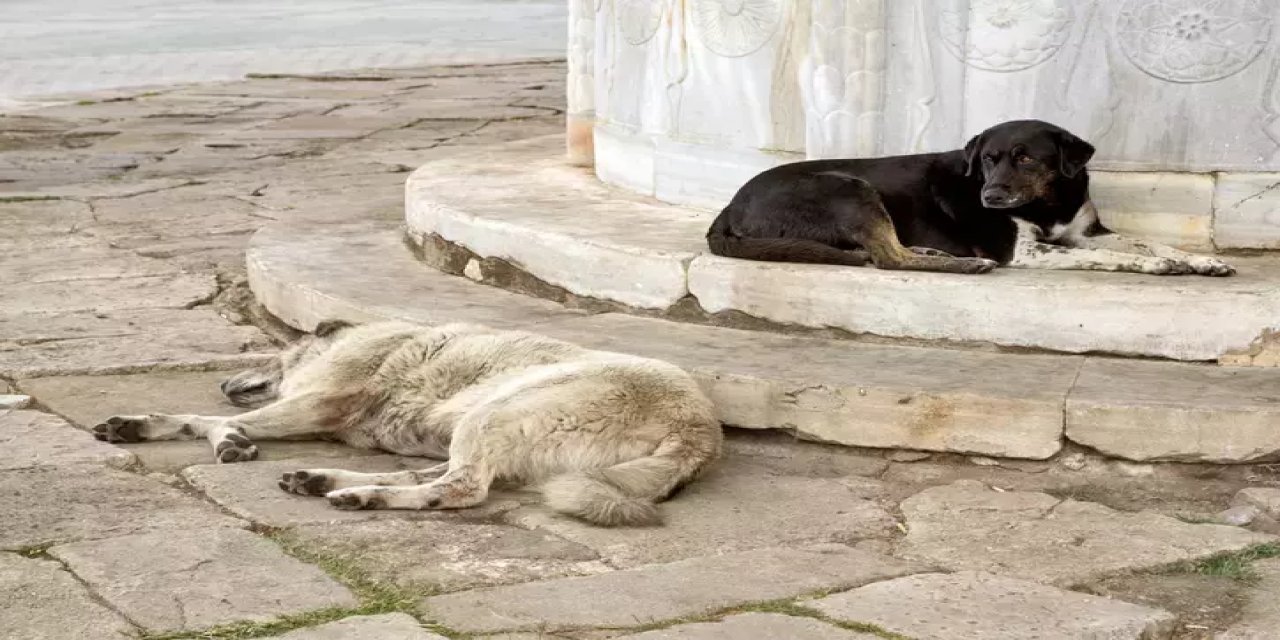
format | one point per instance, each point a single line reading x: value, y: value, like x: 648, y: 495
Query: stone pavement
x: 123, y: 223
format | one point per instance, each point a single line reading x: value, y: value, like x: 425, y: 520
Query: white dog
x: 608, y: 435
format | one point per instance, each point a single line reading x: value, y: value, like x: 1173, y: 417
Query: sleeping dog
x: 1017, y: 195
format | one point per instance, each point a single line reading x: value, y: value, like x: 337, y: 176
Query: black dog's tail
x: 723, y: 242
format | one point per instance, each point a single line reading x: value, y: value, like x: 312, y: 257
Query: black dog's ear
x: 971, y: 151
x: 1073, y: 153
x: 330, y: 327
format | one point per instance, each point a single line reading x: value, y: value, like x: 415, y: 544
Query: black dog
x: 1016, y: 195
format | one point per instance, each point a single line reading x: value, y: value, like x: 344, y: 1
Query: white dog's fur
x: 608, y: 435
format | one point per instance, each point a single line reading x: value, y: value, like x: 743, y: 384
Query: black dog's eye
x: 1026, y: 160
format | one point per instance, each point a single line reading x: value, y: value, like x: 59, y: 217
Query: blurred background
x: 58, y: 46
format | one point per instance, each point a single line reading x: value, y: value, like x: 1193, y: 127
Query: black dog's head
x: 1021, y: 160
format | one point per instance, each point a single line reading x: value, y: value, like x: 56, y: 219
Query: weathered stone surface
x: 361, y: 272
x: 445, y: 555
x: 1265, y: 498
x: 661, y: 592
x: 249, y: 490
x: 1170, y: 208
x: 180, y: 291
x: 30, y: 439
x: 1247, y: 211
x: 735, y: 506
x: 50, y: 505
x: 1260, y: 617
x: 851, y: 393
x: 40, y: 218
x: 1071, y: 311
x: 88, y: 400
x: 979, y: 606
x: 1158, y: 411
x: 516, y: 204
x: 85, y: 264
x: 755, y: 626
x: 123, y: 341
x: 191, y: 579
x: 388, y: 626
x: 785, y: 454
x: 44, y: 602
x: 967, y: 527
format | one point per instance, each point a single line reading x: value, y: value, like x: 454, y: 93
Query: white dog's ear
x: 1073, y: 153
x: 327, y: 328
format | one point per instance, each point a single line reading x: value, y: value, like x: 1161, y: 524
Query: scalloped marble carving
x: 639, y: 19
x: 1007, y: 35
x: 1191, y: 41
x: 734, y: 28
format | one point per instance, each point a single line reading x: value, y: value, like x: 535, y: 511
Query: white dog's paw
x: 234, y: 447
x: 1206, y: 266
x: 122, y: 429
x: 306, y: 483
x: 357, y: 498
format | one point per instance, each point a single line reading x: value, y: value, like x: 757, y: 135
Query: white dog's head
x: 261, y: 385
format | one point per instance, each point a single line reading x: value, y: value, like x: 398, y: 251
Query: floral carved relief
x: 734, y: 28
x: 639, y: 19
x: 1193, y: 41
x: 1007, y: 35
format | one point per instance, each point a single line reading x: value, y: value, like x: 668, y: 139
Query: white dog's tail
x: 625, y: 494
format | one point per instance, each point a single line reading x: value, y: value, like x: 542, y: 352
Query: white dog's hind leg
x: 318, y: 482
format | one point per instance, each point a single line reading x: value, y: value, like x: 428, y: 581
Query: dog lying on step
x: 1017, y: 195
x: 607, y: 435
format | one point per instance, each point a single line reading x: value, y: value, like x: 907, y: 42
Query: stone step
x: 523, y: 204
x: 841, y: 391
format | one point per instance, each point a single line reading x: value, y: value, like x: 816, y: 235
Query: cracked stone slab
x: 127, y: 340
x: 754, y: 626
x: 524, y: 204
x: 32, y: 439
x: 735, y: 506
x: 193, y: 579
x: 965, y: 526
x: 42, y: 601
x: 287, y: 268
x: 1150, y: 411
x: 979, y: 606
x: 446, y: 556
x: 388, y: 626
x: 1260, y: 616
x: 88, y: 400
x: 85, y: 264
x: 1266, y: 499
x: 44, y: 505
x: 249, y: 490
x: 662, y: 592
x: 174, y: 291
x: 101, y: 189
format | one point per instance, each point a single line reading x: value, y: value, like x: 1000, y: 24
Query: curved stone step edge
x: 850, y: 393
x: 1079, y: 312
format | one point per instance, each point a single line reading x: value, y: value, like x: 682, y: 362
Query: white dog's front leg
x: 1030, y: 253
x: 228, y: 439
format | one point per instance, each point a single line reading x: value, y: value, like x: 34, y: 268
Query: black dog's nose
x: 997, y: 196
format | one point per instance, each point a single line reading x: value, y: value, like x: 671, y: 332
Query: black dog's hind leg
x: 863, y: 220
